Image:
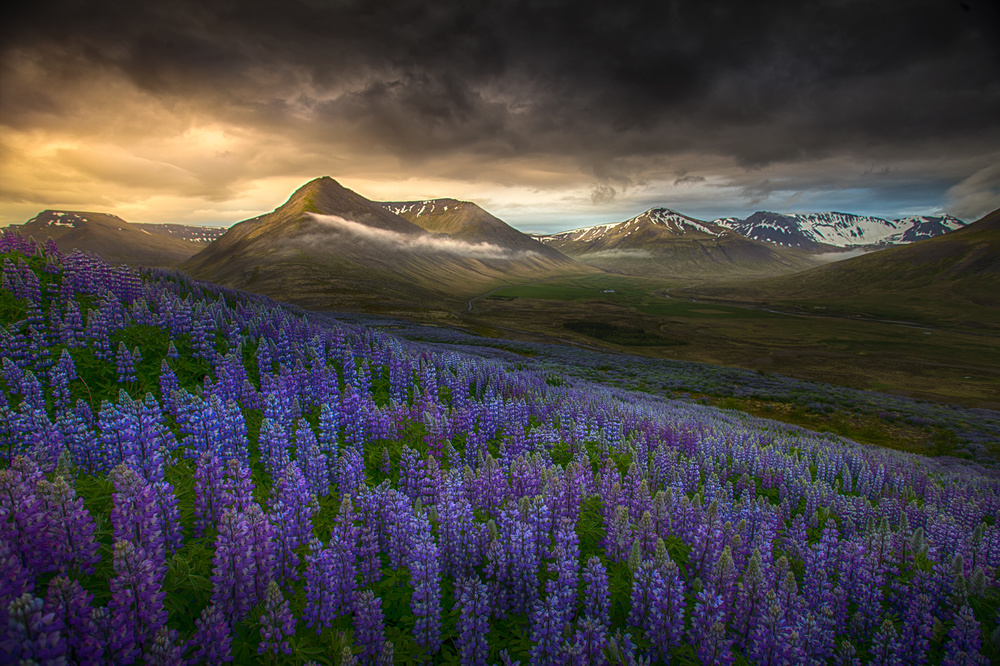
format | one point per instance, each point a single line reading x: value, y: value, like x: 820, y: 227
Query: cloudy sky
x: 550, y: 113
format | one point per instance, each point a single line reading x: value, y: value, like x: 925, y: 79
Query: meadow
x: 942, y: 361
x: 192, y: 474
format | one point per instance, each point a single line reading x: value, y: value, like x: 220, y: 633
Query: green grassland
x: 948, y: 362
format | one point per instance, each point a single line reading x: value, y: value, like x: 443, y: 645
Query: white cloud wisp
x: 425, y: 243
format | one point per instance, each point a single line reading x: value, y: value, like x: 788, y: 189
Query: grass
x: 947, y: 364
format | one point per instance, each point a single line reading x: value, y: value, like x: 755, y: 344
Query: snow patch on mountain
x: 677, y: 223
x: 838, y: 229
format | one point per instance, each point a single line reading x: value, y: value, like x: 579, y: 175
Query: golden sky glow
x: 199, y: 113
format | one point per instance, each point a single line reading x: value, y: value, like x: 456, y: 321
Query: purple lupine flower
x: 168, y: 515
x: 567, y: 570
x: 211, y: 641
x: 276, y: 623
x: 294, y: 505
x: 70, y: 604
x: 665, y: 625
x: 885, y: 646
x: 233, y: 568
x: 274, y: 445
x: 524, y: 561
x: 369, y: 626
x: 964, y: 641
x: 208, y: 492
x: 350, y: 471
x: 426, y: 600
x: 70, y: 525
x: 136, y: 605
x: 591, y: 639
x: 323, y: 601
x: 62, y: 374
x: 596, y: 599
x: 261, y: 534
x: 135, y: 517
x: 642, y: 584
x: 23, y: 522
x: 165, y: 649
x: 125, y: 364
x: 169, y: 386
x: 315, y: 469
x: 344, y: 539
x: 749, y: 599
x: 369, y: 556
x: 547, y: 627
x: 15, y: 578
x: 329, y: 433
x: 846, y: 654
x: 708, y: 629
x: 473, y: 605
x: 917, y: 630
x: 237, y: 487
x: 33, y: 635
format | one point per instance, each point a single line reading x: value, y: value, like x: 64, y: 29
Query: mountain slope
x: 954, y: 277
x: 112, y: 238
x: 184, y: 231
x: 664, y: 243
x: 464, y: 220
x: 329, y: 246
x: 819, y: 232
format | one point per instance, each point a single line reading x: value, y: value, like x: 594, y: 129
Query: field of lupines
x: 971, y: 432
x: 194, y: 475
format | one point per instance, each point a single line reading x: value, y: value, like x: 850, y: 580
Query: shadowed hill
x: 111, y: 237
x: 954, y: 277
x: 464, y: 220
x: 329, y: 246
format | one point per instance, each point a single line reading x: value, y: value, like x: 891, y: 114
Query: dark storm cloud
x: 764, y: 82
x: 615, y: 88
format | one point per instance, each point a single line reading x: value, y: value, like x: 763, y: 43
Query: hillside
x: 114, y: 239
x: 421, y: 477
x: 329, y: 246
x: 953, y: 277
x: 464, y: 220
x: 664, y: 243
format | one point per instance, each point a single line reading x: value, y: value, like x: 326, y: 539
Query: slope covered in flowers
x: 191, y: 474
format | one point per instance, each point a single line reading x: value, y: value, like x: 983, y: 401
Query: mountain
x: 466, y: 221
x: 664, y: 243
x: 824, y: 231
x: 185, y: 231
x: 949, y: 278
x: 329, y: 246
x: 115, y: 240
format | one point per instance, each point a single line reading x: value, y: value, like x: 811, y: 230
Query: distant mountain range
x: 664, y: 243
x: 953, y: 277
x: 328, y: 246
x: 822, y: 231
x: 118, y: 241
